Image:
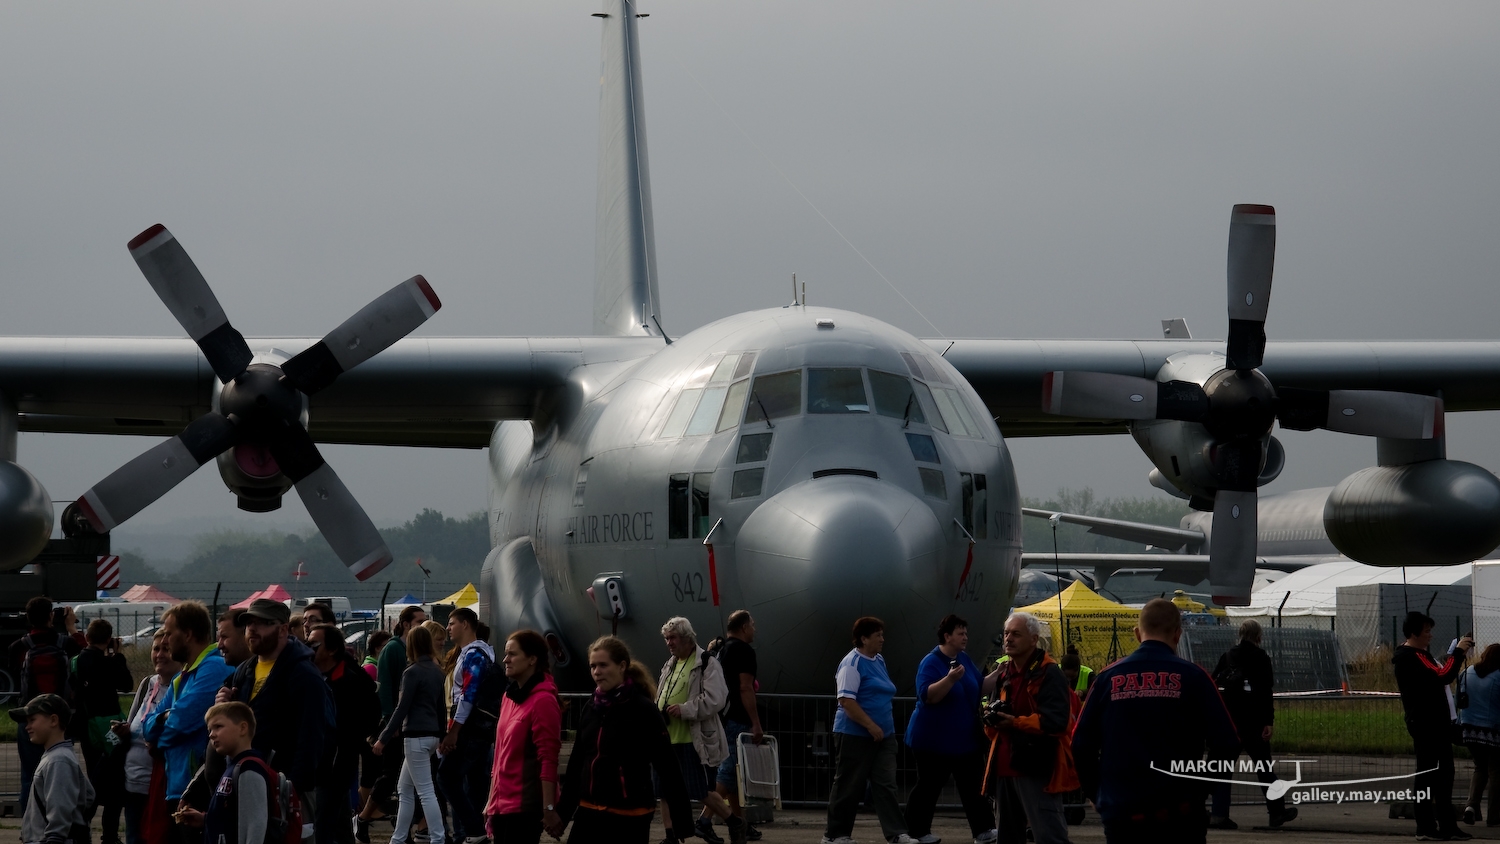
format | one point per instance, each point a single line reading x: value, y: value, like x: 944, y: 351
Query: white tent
x: 1311, y: 594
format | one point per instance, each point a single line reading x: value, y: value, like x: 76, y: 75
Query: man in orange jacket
x: 1031, y: 764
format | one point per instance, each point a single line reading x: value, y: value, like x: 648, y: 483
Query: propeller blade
x: 1367, y: 413
x: 134, y: 486
x: 343, y: 523
x: 1252, y: 257
x: 393, y: 315
x: 1231, y: 549
x: 1103, y: 395
x: 176, y: 280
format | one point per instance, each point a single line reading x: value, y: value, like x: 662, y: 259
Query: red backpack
x: 45, y: 670
x: 284, y: 807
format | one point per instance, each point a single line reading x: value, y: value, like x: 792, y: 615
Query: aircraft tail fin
x: 625, y: 291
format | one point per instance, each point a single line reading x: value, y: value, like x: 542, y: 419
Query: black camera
x: 59, y: 617
x: 993, y: 712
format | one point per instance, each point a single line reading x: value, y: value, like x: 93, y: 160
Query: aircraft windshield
x: 895, y: 397
x: 774, y: 396
x: 836, y: 391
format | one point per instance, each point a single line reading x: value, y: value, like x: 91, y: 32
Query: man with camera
x: 1424, y: 682
x: 1030, y: 764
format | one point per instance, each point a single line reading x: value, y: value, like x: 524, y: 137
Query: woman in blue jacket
x: 941, y: 734
x: 1480, y: 721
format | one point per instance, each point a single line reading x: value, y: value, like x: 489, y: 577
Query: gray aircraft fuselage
x: 844, y: 504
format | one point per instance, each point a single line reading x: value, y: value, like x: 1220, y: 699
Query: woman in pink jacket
x: 523, y: 788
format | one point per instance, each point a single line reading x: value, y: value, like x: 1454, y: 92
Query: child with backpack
x: 42, y: 661
x: 253, y: 804
x: 61, y: 802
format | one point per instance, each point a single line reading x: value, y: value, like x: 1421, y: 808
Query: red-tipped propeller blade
x: 393, y: 315
x: 175, y: 278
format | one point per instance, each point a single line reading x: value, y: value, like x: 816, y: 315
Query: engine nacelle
x: 25, y: 516
x: 1433, y: 513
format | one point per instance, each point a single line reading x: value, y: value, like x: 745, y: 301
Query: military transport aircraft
x: 810, y: 464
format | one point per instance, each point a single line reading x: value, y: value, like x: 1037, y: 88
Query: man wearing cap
x: 175, y: 727
x: 294, y: 713
x: 59, y: 790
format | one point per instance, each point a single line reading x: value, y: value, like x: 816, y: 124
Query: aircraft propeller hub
x: 260, y: 398
x: 1242, y: 403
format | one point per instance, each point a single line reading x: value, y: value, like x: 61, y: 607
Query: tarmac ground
x: 1315, y: 824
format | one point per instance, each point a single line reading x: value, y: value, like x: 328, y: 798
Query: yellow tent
x: 1099, y: 627
x: 465, y: 597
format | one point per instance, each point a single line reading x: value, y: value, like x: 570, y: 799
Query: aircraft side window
x: 914, y: 364
x: 734, y: 405
x: 706, y: 369
x: 753, y: 448
x: 678, y: 506
x: 725, y: 370
x: 747, y: 362
x: 583, y: 479
x: 708, y: 411
x: 966, y: 498
x: 895, y: 397
x: 687, y: 505
x: 836, y: 391
x: 702, y: 481
x: 924, y: 396
x: 981, y: 508
x: 747, y: 483
x: 950, y: 413
x: 774, y: 396
x: 923, y: 448
x: 934, y: 485
x: 682, y: 412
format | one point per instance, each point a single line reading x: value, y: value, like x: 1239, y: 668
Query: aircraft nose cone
x: 819, y: 555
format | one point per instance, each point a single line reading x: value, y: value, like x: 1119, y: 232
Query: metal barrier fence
x: 1338, y: 737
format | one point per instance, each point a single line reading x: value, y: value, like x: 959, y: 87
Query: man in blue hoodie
x: 1147, y: 711
x: 176, y: 727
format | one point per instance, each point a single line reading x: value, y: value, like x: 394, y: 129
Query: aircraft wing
x: 1180, y: 567
x: 442, y: 391
x: 1173, y: 539
x: 1008, y: 373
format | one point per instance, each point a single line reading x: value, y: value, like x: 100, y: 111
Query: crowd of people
x: 259, y: 726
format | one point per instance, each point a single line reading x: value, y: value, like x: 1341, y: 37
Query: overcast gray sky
x: 1017, y: 170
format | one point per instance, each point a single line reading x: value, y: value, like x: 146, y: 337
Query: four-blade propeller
x: 261, y: 404
x: 1238, y: 406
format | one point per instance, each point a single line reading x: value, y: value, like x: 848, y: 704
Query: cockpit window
x: 708, y: 411
x: 895, y: 397
x: 836, y: 391
x: 747, y: 361
x: 681, y: 412
x: 923, y: 449
x: 774, y: 396
x: 955, y: 413
x: 925, y: 397
x: 734, y: 405
x: 753, y: 448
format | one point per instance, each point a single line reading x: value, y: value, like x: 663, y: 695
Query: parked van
x: 124, y: 616
x: 341, y: 608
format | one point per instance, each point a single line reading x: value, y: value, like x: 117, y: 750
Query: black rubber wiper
x: 764, y: 415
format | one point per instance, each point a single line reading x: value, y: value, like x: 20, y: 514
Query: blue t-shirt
x: 948, y: 725
x: 867, y: 682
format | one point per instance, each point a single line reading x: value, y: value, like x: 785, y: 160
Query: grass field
x: 1364, y: 727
